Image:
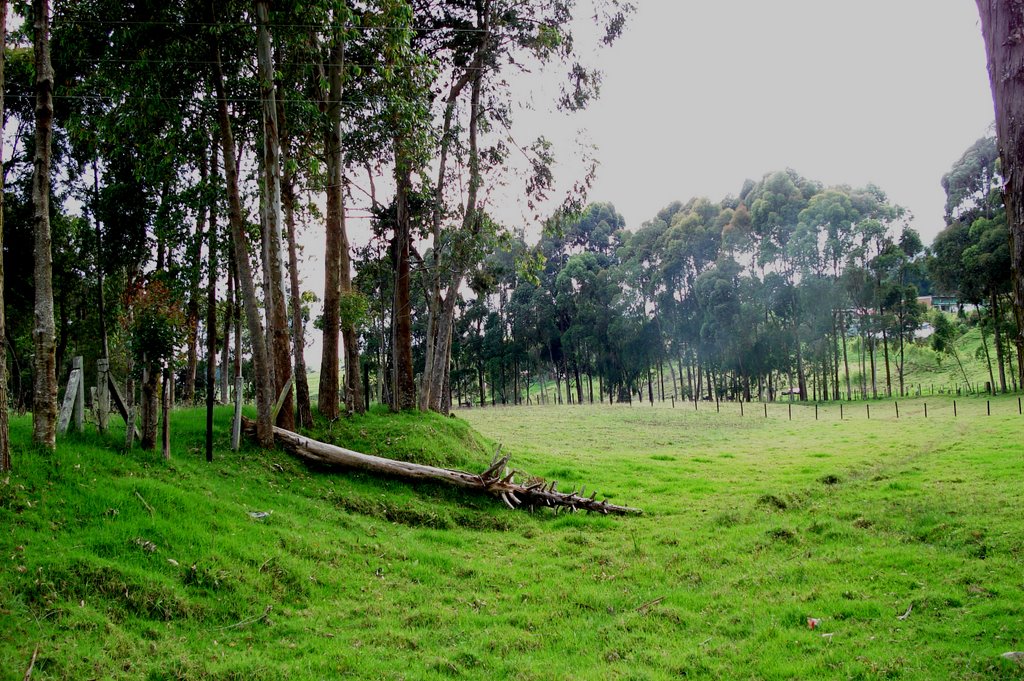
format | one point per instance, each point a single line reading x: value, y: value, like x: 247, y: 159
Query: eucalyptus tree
x: 239, y: 238
x: 973, y: 183
x: 476, y: 43
x: 44, y: 395
x: 690, y: 243
x: 824, y: 239
x: 273, y: 262
x: 775, y: 205
x: 972, y: 255
x: 973, y: 261
x: 5, y: 443
x: 1000, y: 29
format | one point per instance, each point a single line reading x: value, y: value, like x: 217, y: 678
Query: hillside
x: 901, y: 538
x: 127, y: 566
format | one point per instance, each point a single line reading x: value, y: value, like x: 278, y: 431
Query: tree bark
x: 304, y: 411
x: 888, y: 371
x: 999, y: 340
x: 5, y: 442
x: 437, y: 216
x: 280, y: 342
x: 1002, y: 28
x: 149, y: 405
x: 44, y: 398
x: 100, y: 298
x: 437, y: 367
x: 165, y: 411
x: 229, y: 318
x: 404, y: 386
x: 335, y: 243
x: 496, y: 480
x: 211, y: 314
x: 261, y: 363
x: 192, y: 319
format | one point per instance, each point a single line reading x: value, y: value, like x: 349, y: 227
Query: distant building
x: 950, y: 304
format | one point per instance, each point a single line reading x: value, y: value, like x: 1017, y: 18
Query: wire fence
x: 911, y: 407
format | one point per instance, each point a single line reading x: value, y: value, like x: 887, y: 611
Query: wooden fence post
x: 102, y: 394
x: 236, y: 426
x: 74, y: 399
x: 79, y: 366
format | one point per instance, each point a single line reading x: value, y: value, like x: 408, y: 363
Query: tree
x: 261, y: 359
x: 1002, y: 27
x: 479, y: 40
x: 279, y: 342
x: 44, y: 399
x: 5, y: 444
x: 971, y: 255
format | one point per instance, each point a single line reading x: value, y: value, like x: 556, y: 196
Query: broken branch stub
x: 494, y: 481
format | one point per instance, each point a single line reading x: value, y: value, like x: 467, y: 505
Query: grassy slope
x: 754, y: 525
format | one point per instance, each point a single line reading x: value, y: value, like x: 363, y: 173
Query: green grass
x: 753, y: 525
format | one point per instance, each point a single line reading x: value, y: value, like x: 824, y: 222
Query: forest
x: 176, y: 169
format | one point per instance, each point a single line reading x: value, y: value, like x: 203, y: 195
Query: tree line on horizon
x: 779, y: 289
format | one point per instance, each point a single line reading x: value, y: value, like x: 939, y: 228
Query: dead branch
x: 32, y: 663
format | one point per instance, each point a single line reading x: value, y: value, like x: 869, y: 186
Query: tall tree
x: 261, y: 360
x: 211, y: 307
x: 279, y: 342
x: 5, y: 444
x: 1002, y: 28
x: 44, y: 399
x: 337, y: 260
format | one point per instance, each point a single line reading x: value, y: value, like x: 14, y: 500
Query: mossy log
x: 498, y: 480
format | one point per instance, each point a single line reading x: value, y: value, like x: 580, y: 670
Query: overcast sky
x: 700, y: 95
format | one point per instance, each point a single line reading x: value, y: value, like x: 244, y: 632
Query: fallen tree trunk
x: 498, y: 480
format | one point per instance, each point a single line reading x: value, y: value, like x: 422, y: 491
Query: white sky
x: 700, y: 95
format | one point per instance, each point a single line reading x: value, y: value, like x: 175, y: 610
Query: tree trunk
x: 304, y: 410
x: 211, y: 314
x: 988, y: 361
x: 261, y: 362
x: 801, y: 374
x: 496, y: 480
x: 44, y: 397
x: 5, y: 442
x: 999, y: 340
x: 888, y: 372
x: 304, y: 407
x: 436, y: 372
x: 192, y: 317
x: 229, y: 318
x: 480, y: 380
x: 579, y: 383
x: 1002, y: 24
x: 165, y: 410
x: 336, y: 244
x: 149, y: 405
x: 100, y: 298
x: 874, y: 374
x: 902, y: 362
x: 403, y: 383
x: 336, y: 168
x: 274, y: 289
x: 846, y: 359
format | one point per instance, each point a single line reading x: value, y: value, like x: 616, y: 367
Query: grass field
x: 902, y: 537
